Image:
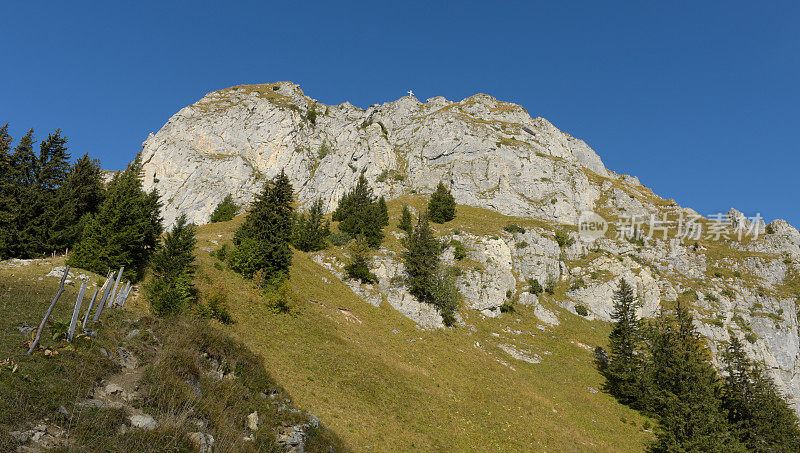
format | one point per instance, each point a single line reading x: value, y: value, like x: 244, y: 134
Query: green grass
x: 382, y: 384
x: 34, y: 388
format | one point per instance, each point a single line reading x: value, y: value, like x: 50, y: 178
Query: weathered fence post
x: 103, y: 300
x: 116, y: 283
x: 89, y: 310
x: 127, y: 293
x: 49, y: 311
x: 76, y: 312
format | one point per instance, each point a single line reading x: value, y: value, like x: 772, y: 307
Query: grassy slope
x: 382, y: 384
x: 33, y: 393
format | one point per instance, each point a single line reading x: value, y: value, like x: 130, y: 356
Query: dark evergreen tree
x: 383, y: 212
x: 405, y: 220
x: 125, y: 230
x: 360, y: 214
x: 425, y: 278
x: 358, y: 268
x: 263, y: 240
x: 7, y: 194
x: 442, y: 205
x: 686, y: 391
x: 171, y: 290
x: 312, y: 229
x: 761, y: 418
x: 75, y: 201
x: 37, y: 179
x: 624, y: 371
x: 225, y: 211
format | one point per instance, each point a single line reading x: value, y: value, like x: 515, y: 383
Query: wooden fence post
x: 127, y: 293
x: 116, y: 283
x: 89, y: 310
x: 49, y: 311
x: 103, y: 300
x: 76, y: 312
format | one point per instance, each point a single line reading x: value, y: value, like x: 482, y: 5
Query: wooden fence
x: 116, y: 298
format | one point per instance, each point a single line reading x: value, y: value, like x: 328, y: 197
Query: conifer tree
x: 686, y: 397
x: 425, y: 278
x: 383, y: 212
x: 24, y: 169
x: 624, y: 371
x: 225, y: 211
x: 77, y: 198
x: 262, y: 242
x: 405, y: 220
x: 442, y: 205
x: 125, y: 230
x: 312, y: 229
x: 360, y: 214
x: 7, y: 194
x: 761, y: 418
x: 171, y: 290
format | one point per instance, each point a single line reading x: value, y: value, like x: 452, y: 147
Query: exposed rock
x: 143, y: 421
x: 252, y: 421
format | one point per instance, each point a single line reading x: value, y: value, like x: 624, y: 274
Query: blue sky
x: 700, y: 100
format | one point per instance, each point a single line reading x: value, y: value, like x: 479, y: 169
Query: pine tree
x: 360, y: 214
x: 761, y: 418
x: 358, y: 268
x: 125, y: 230
x: 383, y: 212
x: 7, y: 194
x: 312, y: 229
x: 686, y: 394
x: 171, y: 290
x: 225, y: 211
x: 442, y: 205
x: 624, y: 371
x: 75, y: 201
x: 405, y: 220
x: 24, y: 170
x: 262, y: 242
x: 425, y: 278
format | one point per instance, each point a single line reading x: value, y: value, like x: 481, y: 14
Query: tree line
x: 663, y: 369
x: 45, y: 202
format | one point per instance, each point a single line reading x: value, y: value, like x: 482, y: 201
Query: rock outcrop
x: 492, y: 155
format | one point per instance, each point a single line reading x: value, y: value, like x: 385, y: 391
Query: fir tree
x: 383, y: 212
x: 225, y: 211
x: 425, y: 278
x: 405, y: 220
x: 312, y: 229
x: 685, y: 394
x: 358, y: 268
x: 624, y: 371
x: 442, y: 205
x: 262, y: 242
x: 761, y: 418
x: 360, y: 214
x: 75, y: 201
x: 7, y: 194
x: 125, y: 230
x: 171, y: 290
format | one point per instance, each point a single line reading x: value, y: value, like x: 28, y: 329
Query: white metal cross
x: 410, y: 93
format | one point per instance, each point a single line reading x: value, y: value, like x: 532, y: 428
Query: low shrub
x: 514, y: 228
x: 339, y: 238
x: 581, y: 310
x: 563, y: 239
x: 459, y: 253
x: 534, y: 286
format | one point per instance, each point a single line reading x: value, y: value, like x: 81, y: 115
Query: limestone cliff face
x: 492, y: 155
